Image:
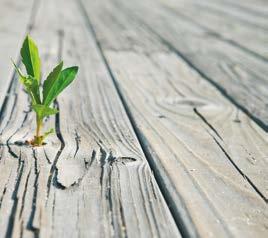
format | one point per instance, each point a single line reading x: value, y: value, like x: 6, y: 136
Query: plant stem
x: 39, y: 125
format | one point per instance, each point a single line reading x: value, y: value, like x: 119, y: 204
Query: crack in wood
x: 24, y: 194
x: 78, y: 141
x: 180, y: 223
x: 14, y: 80
x: 11, y: 220
x: 46, y: 156
x: 220, y: 12
x: 217, y: 35
x: 227, y: 154
x: 53, y: 170
x: 93, y: 158
x: 5, y: 187
x: 52, y: 178
x: 30, y: 225
x: 10, y: 92
x: 203, y: 74
x: 239, y: 170
x: 206, y: 122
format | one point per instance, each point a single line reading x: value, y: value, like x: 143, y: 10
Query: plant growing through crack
x: 54, y: 84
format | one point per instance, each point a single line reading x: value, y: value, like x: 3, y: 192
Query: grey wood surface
x: 209, y: 157
x: 252, y: 13
x: 218, y: 22
x: 91, y: 181
x: 15, y: 16
x: 240, y: 76
x: 164, y: 132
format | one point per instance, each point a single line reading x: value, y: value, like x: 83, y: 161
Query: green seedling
x: 54, y: 84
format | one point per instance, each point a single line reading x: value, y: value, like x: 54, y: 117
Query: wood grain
x: 238, y: 75
x: 257, y: 8
x: 253, y: 14
x: 208, y: 156
x: 251, y: 39
x: 15, y: 16
x: 92, y: 179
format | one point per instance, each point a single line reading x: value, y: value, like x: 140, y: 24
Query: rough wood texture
x: 253, y: 14
x: 208, y: 156
x: 92, y: 180
x: 158, y: 80
x: 15, y: 16
x: 237, y: 74
x: 219, y: 23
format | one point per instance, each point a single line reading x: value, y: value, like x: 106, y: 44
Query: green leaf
x: 51, y: 79
x: 32, y: 87
x: 30, y: 58
x: 30, y: 84
x: 18, y: 69
x: 66, y: 77
x: 47, y: 133
x: 43, y: 111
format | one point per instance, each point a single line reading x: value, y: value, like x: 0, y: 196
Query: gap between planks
x: 138, y: 132
x: 32, y: 218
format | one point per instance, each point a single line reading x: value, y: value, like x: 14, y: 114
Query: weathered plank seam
x: 218, y: 36
x: 33, y: 15
x: 148, y: 197
x: 206, y: 122
x: 245, y: 9
x: 143, y: 194
x: 24, y: 193
x: 107, y: 105
x: 52, y: 179
x: 222, y: 90
x: 30, y: 226
x: 77, y: 142
x: 19, y: 143
x: 106, y: 187
x: 229, y: 157
x: 121, y: 209
x: 114, y: 223
x: 11, y: 220
x: 5, y: 187
x: 10, y: 151
x: 186, y: 222
x: 92, y: 159
x: 77, y: 219
x: 11, y: 91
x: 46, y: 156
x: 177, y: 218
x: 53, y: 211
x: 135, y: 208
x: 243, y: 21
x: 241, y: 172
x: 128, y: 145
x: 18, y: 62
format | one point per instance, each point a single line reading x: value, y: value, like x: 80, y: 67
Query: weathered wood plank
x: 258, y: 7
x: 92, y: 180
x: 15, y: 16
x: 240, y: 76
x: 203, y: 149
x: 254, y: 8
x: 248, y: 38
x: 255, y: 18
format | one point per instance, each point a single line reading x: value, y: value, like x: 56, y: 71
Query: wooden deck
x: 164, y: 133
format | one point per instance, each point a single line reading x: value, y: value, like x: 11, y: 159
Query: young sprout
x: 54, y: 84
